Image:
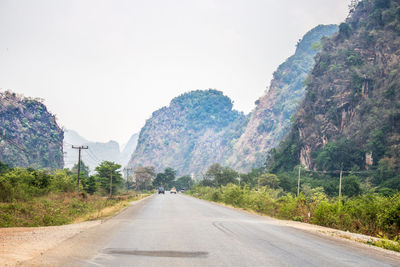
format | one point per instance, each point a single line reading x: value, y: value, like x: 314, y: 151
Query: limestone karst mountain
x: 196, y: 130
x: 350, y: 117
x: 29, y: 133
x: 271, y: 117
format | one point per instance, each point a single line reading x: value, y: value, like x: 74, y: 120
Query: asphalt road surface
x: 177, y: 230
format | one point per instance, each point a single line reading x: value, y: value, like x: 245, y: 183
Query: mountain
x: 128, y: 149
x: 29, y: 135
x: 271, y: 118
x: 350, y: 117
x: 97, y: 151
x: 197, y: 129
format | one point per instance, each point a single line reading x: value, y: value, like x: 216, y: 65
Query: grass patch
x: 59, y: 209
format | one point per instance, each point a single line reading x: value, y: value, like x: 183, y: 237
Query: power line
x: 94, y: 156
x: 95, y: 159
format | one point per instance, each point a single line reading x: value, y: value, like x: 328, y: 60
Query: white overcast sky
x: 104, y: 66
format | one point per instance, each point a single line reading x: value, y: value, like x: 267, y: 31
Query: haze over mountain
x: 186, y: 135
x: 97, y: 151
x: 271, y: 117
x: 98, y: 60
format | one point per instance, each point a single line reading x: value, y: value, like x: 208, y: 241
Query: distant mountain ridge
x: 97, y: 151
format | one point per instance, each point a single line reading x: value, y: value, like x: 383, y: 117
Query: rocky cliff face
x: 196, y: 130
x: 271, y: 118
x: 351, y: 113
x: 29, y: 134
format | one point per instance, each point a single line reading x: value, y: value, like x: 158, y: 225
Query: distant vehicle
x: 161, y: 190
x: 183, y: 190
x: 173, y: 190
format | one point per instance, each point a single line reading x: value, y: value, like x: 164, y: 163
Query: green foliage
x: 286, y: 156
x: 4, y: 167
x: 251, y: 178
x: 316, y: 46
x: 144, y: 177
x: 370, y: 214
x: 91, y: 185
x: 344, y: 30
x: 340, y: 154
x: 221, y: 175
x: 351, y: 186
x: 377, y: 145
x: 165, y: 179
x: 184, y: 182
x: 268, y: 179
x: 24, y: 184
x: 105, y: 171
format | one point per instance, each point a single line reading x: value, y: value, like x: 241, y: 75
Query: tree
x: 159, y: 180
x: 184, y: 182
x: 251, y: 178
x: 144, y: 177
x: 165, y: 179
x: 84, y: 173
x: 269, y: 179
x: 351, y: 186
x: 105, y: 171
x: 221, y: 175
x: 341, y: 154
x: 91, y: 185
x: 4, y: 167
x: 169, y: 175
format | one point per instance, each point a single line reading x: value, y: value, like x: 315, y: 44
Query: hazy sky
x: 104, y: 66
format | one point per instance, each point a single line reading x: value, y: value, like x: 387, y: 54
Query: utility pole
x: 298, y: 182
x: 111, y: 171
x: 79, y: 164
x: 127, y: 172
x: 340, y: 184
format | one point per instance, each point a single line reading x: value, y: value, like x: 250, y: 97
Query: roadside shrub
x: 370, y: 214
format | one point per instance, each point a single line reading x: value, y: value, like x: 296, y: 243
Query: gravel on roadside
x: 19, y: 244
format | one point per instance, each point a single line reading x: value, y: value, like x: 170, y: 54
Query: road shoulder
x: 30, y: 245
x: 351, y: 239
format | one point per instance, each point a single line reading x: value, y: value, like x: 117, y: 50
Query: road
x: 178, y: 230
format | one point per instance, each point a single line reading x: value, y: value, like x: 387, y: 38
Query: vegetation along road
x: 178, y: 230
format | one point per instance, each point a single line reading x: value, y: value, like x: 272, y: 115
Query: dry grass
x: 59, y: 209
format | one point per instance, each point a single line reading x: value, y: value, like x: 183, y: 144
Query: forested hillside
x: 196, y: 130
x: 350, y: 118
x: 29, y: 135
x: 270, y: 119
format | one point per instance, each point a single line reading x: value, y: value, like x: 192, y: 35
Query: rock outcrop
x: 196, y: 130
x: 29, y: 134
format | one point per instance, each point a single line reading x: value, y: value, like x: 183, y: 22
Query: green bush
x: 370, y: 214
